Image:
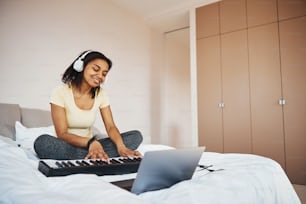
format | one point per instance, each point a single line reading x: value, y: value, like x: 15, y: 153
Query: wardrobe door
x: 209, y: 94
x: 261, y: 12
x: 232, y: 15
x: 207, y: 18
x: 235, y: 86
x: 265, y: 83
x: 293, y: 63
x: 291, y: 8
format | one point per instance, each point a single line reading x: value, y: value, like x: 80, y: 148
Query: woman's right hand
x: 96, y: 151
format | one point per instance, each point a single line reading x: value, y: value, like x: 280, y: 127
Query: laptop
x: 162, y: 169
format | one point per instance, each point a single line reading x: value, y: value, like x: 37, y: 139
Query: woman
x: 74, y: 106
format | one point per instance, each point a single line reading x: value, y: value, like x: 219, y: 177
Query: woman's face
x: 95, y: 72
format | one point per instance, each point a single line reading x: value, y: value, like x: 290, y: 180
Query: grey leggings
x: 50, y: 147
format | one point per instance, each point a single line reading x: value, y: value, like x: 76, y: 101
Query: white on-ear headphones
x: 78, y: 65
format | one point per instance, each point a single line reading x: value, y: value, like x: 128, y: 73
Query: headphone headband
x: 78, y: 65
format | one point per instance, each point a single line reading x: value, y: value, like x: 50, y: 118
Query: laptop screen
x: 162, y: 169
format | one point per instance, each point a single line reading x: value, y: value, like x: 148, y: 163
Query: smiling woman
x: 74, y: 106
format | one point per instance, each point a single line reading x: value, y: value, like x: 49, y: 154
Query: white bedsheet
x: 245, y: 179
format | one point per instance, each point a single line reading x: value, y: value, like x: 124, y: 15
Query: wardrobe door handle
x: 281, y: 102
x: 221, y: 105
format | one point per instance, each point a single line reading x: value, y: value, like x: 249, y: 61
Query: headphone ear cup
x: 78, y: 65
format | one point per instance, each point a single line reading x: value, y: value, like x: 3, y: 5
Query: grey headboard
x: 10, y: 113
x: 35, y: 117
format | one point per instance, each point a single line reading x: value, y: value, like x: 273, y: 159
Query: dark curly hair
x: 73, y: 77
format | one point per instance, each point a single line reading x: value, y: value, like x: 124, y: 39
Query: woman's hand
x: 96, y: 151
x: 125, y: 152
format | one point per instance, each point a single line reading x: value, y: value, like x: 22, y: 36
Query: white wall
x: 39, y: 39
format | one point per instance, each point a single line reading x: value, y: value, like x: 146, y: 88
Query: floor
x: 301, y: 191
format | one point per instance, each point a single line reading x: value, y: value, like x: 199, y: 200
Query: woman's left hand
x: 125, y: 152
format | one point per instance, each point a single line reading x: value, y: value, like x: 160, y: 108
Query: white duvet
x: 245, y: 179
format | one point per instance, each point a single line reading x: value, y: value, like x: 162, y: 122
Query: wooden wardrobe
x: 251, y: 80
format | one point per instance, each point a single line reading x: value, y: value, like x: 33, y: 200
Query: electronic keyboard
x: 115, y: 166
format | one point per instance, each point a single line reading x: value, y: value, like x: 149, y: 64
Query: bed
x: 238, y: 178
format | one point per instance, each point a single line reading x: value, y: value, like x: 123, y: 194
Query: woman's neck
x: 82, y: 90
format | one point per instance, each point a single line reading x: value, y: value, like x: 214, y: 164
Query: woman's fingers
x: 138, y: 154
x: 94, y: 154
x: 97, y: 155
x: 127, y: 152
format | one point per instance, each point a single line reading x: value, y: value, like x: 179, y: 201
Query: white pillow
x: 25, y: 137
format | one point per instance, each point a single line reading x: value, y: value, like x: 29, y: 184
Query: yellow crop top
x: 79, y: 121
